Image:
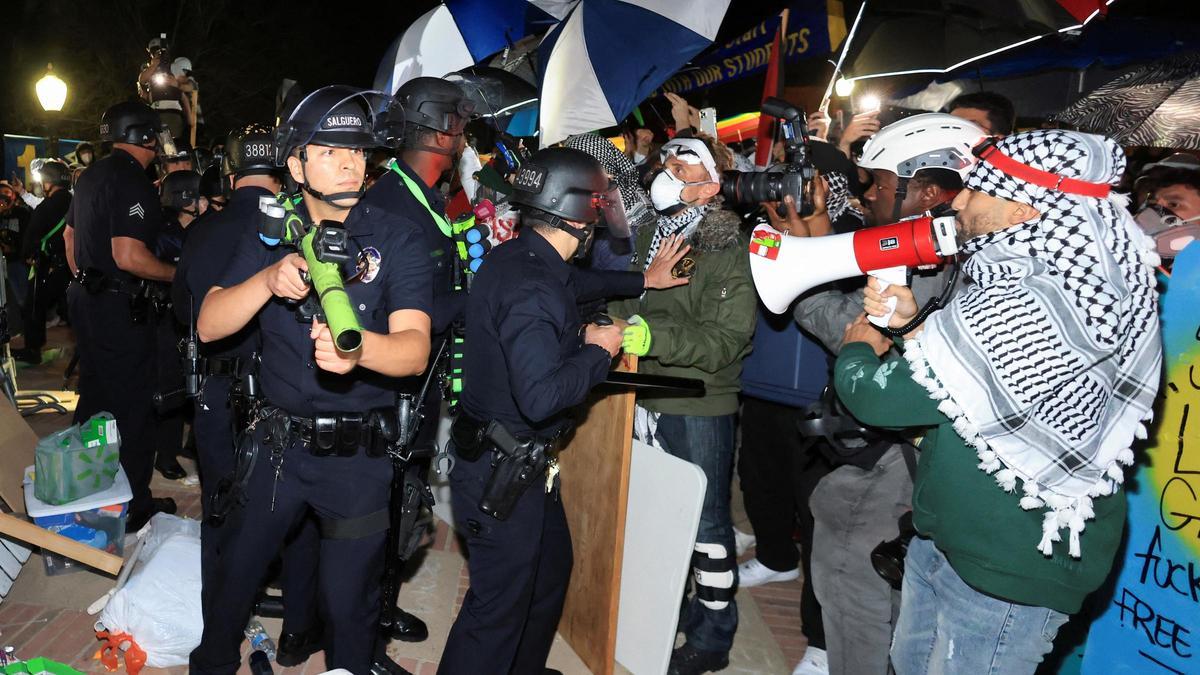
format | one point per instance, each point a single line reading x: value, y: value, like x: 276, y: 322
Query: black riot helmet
x: 132, y: 122
x: 180, y: 192
x: 214, y: 187
x: 429, y: 103
x: 560, y: 184
x: 250, y: 150
x: 337, y: 116
x: 55, y: 172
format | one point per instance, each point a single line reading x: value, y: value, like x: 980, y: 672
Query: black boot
x: 687, y: 660
x: 295, y: 648
x: 170, y: 468
x: 383, y: 664
x: 407, y: 627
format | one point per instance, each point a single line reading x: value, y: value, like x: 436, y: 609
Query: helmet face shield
x: 612, y: 212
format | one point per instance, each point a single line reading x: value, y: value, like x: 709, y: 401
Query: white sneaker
x: 815, y: 662
x: 743, y: 542
x: 753, y: 573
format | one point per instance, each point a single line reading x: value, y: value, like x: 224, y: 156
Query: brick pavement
x: 66, y: 635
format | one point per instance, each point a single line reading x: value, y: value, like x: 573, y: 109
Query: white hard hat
x: 180, y: 66
x: 925, y: 141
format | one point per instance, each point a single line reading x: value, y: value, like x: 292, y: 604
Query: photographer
x: 701, y: 330
x: 1033, y: 383
x: 857, y: 505
x: 160, y: 88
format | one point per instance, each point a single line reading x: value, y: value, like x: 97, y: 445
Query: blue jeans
x: 946, y: 626
x: 710, y: 620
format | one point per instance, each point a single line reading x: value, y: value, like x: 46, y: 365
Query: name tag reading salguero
x: 530, y: 179
x: 335, y: 121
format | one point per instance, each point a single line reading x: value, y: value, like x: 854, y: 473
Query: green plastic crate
x: 78, y: 461
x: 37, y: 666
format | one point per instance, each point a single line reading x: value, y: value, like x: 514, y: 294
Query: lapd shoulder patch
x: 530, y: 179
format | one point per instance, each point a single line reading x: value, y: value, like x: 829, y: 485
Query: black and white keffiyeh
x: 1048, y: 363
x: 621, y: 169
x: 683, y: 223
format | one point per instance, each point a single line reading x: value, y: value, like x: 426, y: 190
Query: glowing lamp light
x: 51, y: 91
x: 843, y: 87
x: 869, y: 103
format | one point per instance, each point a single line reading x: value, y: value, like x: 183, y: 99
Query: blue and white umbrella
x: 595, y: 68
x: 461, y: 33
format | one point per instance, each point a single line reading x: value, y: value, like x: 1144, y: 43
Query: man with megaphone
x: 916, y: 166
x: 1030, y: 387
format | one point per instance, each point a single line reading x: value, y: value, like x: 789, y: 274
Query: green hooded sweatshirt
x: 701, y: 330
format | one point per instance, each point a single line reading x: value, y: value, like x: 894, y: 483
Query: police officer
x: 112, y: 228
x: 529, y: 359
x: 42, y: 247
x: 179, y: 194
x: 428, y: 131
x: 226, y: 368
x: 325, y: 411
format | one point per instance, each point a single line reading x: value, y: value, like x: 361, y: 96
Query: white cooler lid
x: 118, y: 493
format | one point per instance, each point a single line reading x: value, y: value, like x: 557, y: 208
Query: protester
x: 858, y: 504
x: 1032, y: 433
x: 991, y: 111
x: 701, y: 330
x: 14, y: 223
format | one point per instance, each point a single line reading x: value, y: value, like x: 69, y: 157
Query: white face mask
x: 666, y: 193
x: 1170, y: 232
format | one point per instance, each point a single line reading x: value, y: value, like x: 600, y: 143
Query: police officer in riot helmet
x: 529, y: 360
x: 42, y: 247
x: 425, y: 128
x: 227, y: 372
x: 111, y: 234
x: 181, y: 204
x: 324, y: 417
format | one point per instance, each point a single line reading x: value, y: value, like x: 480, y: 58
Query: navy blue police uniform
x: 115, y: 198
x: 391, y: 193
x: 348, y: 489
x: 526, y: 366
x: 223, y: 364
x: 168, y: 331
x: 43, y: 243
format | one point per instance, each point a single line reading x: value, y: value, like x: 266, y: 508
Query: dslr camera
x: 794, y: 177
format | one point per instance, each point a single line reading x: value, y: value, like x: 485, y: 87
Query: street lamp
x: 51, y: 93
x: 51, y: 90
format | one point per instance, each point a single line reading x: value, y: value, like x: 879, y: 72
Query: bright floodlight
x: 51, y: 91
x: 869, y: 103
x: 843, y: 87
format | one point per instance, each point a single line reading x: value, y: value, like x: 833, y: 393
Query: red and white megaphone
x: 784, y: 266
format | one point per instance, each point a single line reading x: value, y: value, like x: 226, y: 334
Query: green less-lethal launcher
x: 326, y: 279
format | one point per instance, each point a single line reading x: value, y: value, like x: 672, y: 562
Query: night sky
x: 240, y: 51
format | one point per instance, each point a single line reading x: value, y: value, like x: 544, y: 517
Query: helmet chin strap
x: 330, y: 199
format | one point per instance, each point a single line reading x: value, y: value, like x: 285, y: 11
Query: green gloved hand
x: 636, y: 339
